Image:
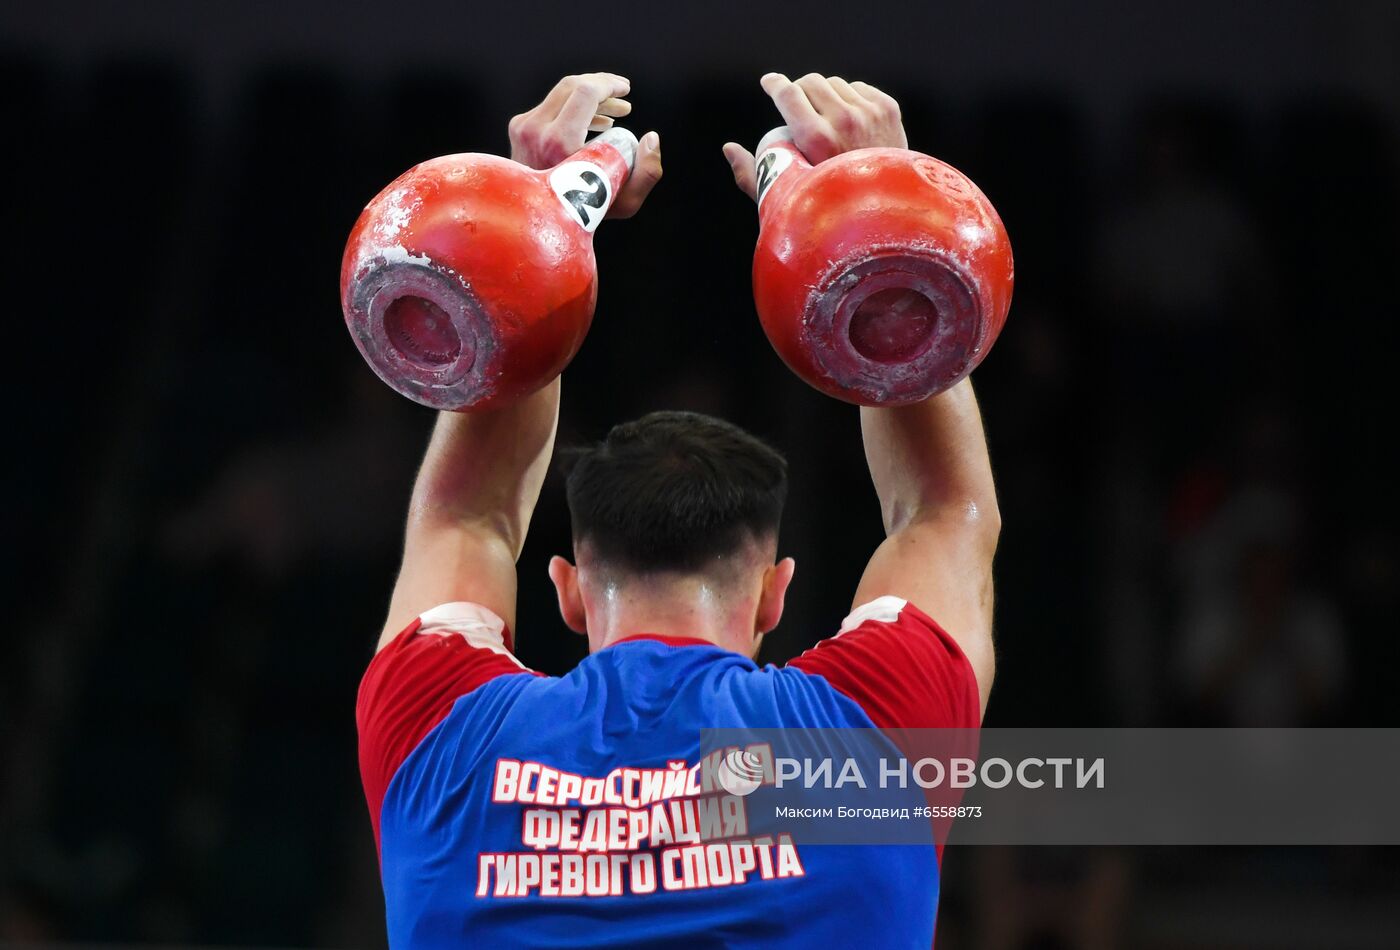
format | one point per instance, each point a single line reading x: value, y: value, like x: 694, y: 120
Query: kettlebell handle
x: 620, y: 139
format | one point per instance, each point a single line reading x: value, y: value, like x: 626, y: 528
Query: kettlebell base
x: 423, y: 332
x: 893, y: 327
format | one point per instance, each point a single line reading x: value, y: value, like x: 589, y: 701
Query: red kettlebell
x: 470, y: 281
x: 882, y: 276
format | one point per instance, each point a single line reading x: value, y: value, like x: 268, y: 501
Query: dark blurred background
x: 1188, y: 414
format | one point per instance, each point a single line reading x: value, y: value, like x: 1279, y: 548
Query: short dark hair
x: 674, y: 491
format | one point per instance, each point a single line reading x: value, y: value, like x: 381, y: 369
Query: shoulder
x: 413, y: 682
x: 899, y: 666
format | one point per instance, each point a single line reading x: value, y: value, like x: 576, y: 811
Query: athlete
x: 516, y: 809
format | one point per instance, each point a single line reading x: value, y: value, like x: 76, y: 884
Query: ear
x: 770, y: 600
x: 565, y: 578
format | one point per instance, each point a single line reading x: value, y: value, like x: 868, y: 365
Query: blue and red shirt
x: 516, y: 809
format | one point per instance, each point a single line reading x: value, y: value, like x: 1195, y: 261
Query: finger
x: 615, y: 107
x: 791, y: 101
x: 846, y: 92
x: 600, y: 123
x: 646, y: 172
x: 554, y: 100
x: 741, y: 163
x: 609, y: 84
x: 819, y: 93
x: 583, y: 103
x: 877, y: 96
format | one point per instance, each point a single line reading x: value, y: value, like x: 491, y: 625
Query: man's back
x: 568, y: 811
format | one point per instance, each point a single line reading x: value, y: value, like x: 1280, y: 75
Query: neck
x: 684, y: 606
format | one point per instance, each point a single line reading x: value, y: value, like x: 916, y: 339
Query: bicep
x: 448, y: 563
x: 945, y: 567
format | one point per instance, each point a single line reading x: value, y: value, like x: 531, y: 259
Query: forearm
x: 929, y: 461
x: 930, y: 467
x: 485, y: 469
x: 471, y: 508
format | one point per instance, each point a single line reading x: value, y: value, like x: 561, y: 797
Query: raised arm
x: 930, y: 468
x: 471, y: 507
x: 482, y: 473
x: 928, y: 461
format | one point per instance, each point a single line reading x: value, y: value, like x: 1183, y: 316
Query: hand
x: 827, y: 116
x: 577, y: 105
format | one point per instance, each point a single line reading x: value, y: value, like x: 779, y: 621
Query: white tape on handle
x: 771, y: 161
x: 625, y: 143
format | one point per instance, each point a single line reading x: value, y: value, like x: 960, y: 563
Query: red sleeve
x: 900, y: 666
x: 413, y: 681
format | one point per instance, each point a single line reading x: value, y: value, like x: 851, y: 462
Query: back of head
x: 674, y: 492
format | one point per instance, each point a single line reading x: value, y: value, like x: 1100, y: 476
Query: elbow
x: 977, y: 521
x: 988, y: 515
x: 981, y: 522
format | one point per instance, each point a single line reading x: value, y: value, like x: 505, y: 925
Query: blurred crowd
x: 1187, y: 414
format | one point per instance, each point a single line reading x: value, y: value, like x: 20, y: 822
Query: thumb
x: 646, y: 172
x: 741, y: 162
